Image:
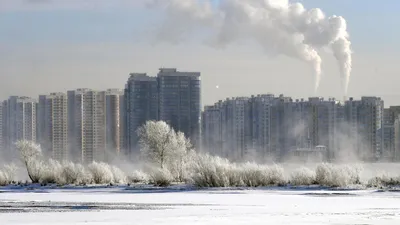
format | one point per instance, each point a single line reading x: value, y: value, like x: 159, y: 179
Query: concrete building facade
x: 212, y: 129
x: 364, y: 119
x: 389, y: 116
x: 180, y: 102
x: 396, y: 151
x: 268, y: 127
x: 52, y: 122
x: 324, y: 124
x: 1, y: 128
x: 19, y: 116
x: 261, y: 108
x: 141, y: 104
x: 87, y: 125
x: 114, y: 122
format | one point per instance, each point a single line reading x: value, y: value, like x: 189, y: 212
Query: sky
x: 57, y: 45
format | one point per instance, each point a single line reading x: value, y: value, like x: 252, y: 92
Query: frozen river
x: 249, y: 207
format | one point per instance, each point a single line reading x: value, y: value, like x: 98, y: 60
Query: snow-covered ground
x: 121, y: 206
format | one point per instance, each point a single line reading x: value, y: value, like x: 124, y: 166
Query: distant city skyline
x: 55, y: 45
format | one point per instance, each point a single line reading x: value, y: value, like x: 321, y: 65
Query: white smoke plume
x: 278, y: 26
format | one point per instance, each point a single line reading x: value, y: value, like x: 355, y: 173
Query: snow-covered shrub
x: 336, y: 176
x: 252, y: 175
x: 7, y: 174
x: 212, y: 171
x: 138, y: 176
x: 101, y: 173
x: 50, y: 173
x: 160, y: 177
x: 302, y: 177
x: 72, y: 173
x: 275, y: 175
x: 119, y: 176
x: 383, y: 181
x: 228, y: 175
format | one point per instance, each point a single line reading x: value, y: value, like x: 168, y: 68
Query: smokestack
x: 279, y: 27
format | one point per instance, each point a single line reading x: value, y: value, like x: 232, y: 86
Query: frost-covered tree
x: 161, y: 144
x: 179, y: 160
x: 30, y: 153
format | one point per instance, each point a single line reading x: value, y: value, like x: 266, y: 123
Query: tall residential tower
x: 87, y: 125
x: 19, y: 120
x: 180, y: 101
x: 52, y: 122
x: 141, y: 105
x: 114, y: 122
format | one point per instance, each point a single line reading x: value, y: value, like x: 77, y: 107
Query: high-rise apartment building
x: 19, y: 120
x: 275, y: 127
x: 87, y: 125
x: 364, y: 119
x: 324, y: 124
x: 236, y: 128
x: 180, y: 102
x: 141, y: 105
x: 389, y: 116
x: 52, y: 123
x: 212, y: 129
x: 1, y: 128
x: 280, y: 127
x: 396, y: 151
x: 261, y: 111
x: 114, y: 122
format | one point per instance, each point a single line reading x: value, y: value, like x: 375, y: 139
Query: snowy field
x: 120, y: 205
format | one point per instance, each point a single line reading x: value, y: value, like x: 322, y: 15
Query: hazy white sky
x: 48, y: 46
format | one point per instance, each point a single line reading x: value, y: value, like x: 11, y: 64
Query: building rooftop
x: 175, y: 72
x: 114, y: 91
x: 141, y: 77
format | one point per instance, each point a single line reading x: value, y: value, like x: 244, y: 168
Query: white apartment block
x: 52, y: 124
x: 19, y: 120
x: 87, y: 125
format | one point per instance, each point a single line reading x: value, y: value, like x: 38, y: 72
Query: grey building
x: 87, y: 125
x: 396, y: 151
x: 260, y: 122
x: 364, y: 119
x: 141, y: 104
x: 389, y: 116
x: 280, y: 127
x: 52, y: 123
x: 180, y: 102
x: 212, y: 129
x: 324, y: 124
x: 1, y: 128
x: 236, y: 131
x: 19, y: 115
x: 114, y: 122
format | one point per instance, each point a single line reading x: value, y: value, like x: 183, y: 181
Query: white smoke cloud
x: 278, y: 26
